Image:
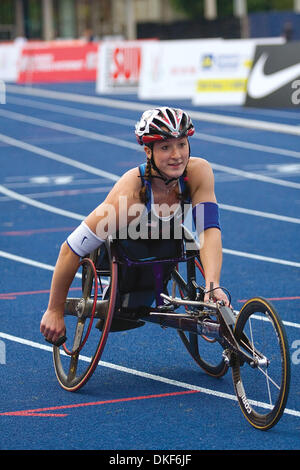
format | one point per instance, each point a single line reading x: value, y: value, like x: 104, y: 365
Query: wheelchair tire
x: 261, y: 390
x: 73, y: 369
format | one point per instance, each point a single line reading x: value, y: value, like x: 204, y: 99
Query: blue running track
x: 62, y: 147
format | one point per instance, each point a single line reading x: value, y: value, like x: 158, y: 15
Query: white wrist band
x: 83, y: 240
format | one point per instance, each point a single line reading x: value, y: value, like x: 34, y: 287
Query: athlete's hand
x: 216, y: 295
x: 52, y: 325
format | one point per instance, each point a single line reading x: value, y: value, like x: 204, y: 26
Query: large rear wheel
x: 76, y: 360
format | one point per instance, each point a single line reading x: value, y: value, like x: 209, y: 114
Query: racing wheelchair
x: 125, y: 284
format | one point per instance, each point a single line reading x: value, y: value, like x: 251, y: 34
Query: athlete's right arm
x: 52, y: 323
x: 114, y: 211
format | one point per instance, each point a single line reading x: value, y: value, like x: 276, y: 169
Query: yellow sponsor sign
x: 221, y: 85
x: 248, y: 63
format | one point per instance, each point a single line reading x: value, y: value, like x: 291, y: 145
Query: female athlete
x: 169, y: 179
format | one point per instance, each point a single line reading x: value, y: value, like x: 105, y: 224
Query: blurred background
x: 137, y: 19
x: 201, y: 50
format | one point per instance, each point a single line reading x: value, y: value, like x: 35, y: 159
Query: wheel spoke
x: 72, y: 374
x: 206, y: 352
x: 265, y: 373
x: 268, y: 379
x: 73, y: 367
x: 265, y: 385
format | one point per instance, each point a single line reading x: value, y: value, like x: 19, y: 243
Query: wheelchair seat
x: 144, y: 270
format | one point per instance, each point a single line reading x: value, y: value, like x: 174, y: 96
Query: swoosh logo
x: 84, y: 238
x: 260, y: 85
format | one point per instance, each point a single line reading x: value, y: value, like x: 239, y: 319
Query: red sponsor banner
x: 58, y: 62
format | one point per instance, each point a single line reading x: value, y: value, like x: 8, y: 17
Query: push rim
x: 199, y: 350
x: 70, y: 378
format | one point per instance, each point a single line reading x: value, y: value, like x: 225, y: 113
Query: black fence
x: 227, y: 28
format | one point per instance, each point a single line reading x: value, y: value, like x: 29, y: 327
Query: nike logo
x: 84, y: 238
x: 260, y: 85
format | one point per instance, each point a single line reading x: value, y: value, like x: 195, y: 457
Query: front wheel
x: 262, y: 387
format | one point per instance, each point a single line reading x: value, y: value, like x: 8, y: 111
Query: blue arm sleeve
x: 206, y: 215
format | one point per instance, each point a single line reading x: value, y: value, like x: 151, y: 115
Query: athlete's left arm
x: 201, y: 180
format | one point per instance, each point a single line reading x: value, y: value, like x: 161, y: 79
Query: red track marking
x: 275, y: 298
x: 12, y: 295
x: 41, y: 411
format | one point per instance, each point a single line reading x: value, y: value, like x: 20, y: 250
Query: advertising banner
x: 9, y: 61
x: 274, y: 80
x: 58, y: 62
x: 169, y: 68
x: 119, y: 66
x: 223, y: 71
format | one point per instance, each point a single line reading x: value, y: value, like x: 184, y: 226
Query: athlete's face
x: 171, y: 156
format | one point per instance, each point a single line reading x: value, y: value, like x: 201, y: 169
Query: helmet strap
x: 160, y: 175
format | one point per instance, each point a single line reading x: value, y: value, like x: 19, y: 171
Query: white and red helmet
x: 163, y: 123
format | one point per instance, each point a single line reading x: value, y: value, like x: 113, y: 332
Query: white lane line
x: 268, y: 259
x: 57, y: 157
x: 241, y: 254
x: 96, y: 171
x: 135, y: 106
x: 68, y: 129
x: 255, y: 176
x: 62, y: 193
x: 71, y: 111
x: 285, y: 322
x: 130, y: 122
x: 226, y: 207
x: 138, y: 373
x: 30, y: 262
x: 247, y: 145
x: 123, y: 143
x: 39, y: 205
x: 73, y: 215
x: 266, y: 215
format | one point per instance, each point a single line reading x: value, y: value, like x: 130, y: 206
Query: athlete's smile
x: 175, y: 164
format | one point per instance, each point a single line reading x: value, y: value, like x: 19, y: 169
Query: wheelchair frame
x: 210, y: 321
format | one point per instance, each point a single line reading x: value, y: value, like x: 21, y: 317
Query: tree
x: 195, y: 8
x: 192, y: 8
x: 267, y: 5
x: 6, y: 12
